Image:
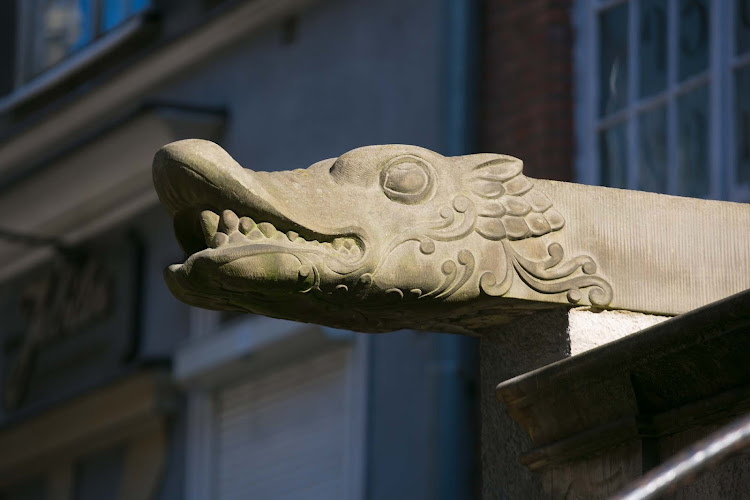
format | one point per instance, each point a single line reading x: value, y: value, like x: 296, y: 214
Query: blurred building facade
x: 113, y: 389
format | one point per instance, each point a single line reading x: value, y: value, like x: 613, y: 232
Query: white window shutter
x: 283, y: 434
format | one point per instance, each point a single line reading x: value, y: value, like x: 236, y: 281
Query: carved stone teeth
x: 237, y: 238
x: 246, y: 225
x: 267, y: 229
x: 220, y: 230
x: 209, y: 225
x: 220, y: 239
x: 229, y: 222
x: 254, y: 234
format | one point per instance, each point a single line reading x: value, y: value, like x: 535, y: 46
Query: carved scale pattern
x: 510, y: 209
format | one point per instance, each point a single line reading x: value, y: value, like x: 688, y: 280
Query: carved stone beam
x: 390, y: 237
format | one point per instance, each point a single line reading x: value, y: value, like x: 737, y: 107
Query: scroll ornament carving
x: 510, y: 209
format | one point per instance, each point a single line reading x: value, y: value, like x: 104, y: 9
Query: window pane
x: 694, y: 26
x: 692, y: 147
x: 113, y: 13
x: 652, y: 146
x: 742, y: 26
x: 613, y: 155
x: 62, y: 26
x: 742, y: 125
x: 613, y: 59
x: 653, y: 47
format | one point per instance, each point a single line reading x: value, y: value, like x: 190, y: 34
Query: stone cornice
x: 95, y: 185
x: 687, y: 371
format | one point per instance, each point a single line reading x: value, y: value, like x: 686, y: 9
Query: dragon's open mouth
x: 227, y: 233
x: 225, y: 213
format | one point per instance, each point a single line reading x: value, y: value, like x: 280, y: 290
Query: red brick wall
x: 526, y: 95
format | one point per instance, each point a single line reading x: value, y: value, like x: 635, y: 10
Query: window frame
x: 27, y: 86
x: 719, y: 76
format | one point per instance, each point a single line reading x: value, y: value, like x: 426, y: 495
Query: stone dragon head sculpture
x: 380, y: 238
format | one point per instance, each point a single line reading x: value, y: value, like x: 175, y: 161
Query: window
x: 284, y: 432
x: 664, y: 95
x: 55, y: 29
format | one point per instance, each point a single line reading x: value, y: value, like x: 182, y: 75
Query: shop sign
x: 69, y: 298
x: 69, y: 324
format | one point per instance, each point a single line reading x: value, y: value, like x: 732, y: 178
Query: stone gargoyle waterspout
x: 390, y: 237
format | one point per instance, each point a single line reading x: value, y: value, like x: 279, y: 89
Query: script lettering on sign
x: 70, y: 298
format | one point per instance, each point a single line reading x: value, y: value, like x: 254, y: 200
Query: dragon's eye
x: 407, y: 179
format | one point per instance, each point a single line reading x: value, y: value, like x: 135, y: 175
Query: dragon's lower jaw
x: 241, y: 256
x: 229, y: 241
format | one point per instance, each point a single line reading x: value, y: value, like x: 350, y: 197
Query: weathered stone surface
x: 587, y: 329
x: 521, y: 347
x: 389, y: 237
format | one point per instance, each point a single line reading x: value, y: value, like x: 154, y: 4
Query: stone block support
x: 534, y: 342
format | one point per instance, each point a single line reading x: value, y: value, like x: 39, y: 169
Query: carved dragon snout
x: 380, y: 238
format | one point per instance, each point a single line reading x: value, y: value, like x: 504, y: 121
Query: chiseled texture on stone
x: 390, y: 237
x: 663, y: 255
